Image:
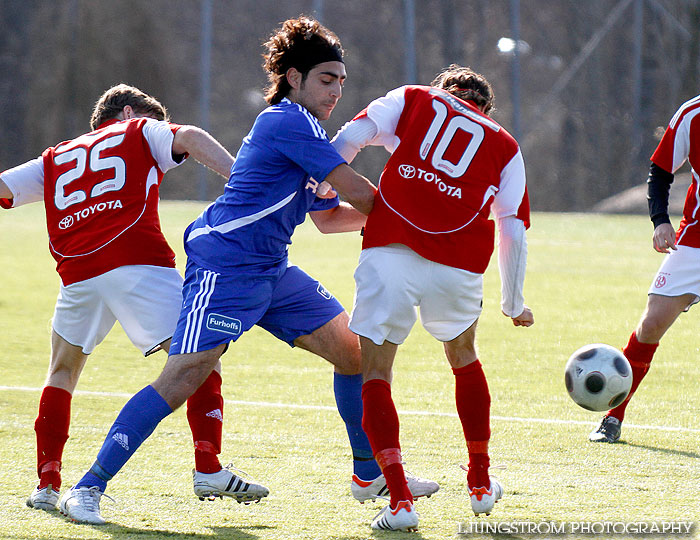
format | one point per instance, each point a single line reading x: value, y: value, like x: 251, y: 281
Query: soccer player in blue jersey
x: 238, y: 274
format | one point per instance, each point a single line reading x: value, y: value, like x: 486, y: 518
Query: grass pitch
x: 587, y: 282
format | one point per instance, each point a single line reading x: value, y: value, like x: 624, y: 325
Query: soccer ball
x: 598, y: 377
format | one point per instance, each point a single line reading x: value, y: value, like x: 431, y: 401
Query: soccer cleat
x: 45, y: 498
x: 364, y: 490
x: 608, y: 431
x: 227, y: 484
x: 403, y: 518
x: 82, y: 505
x: 483, y: 499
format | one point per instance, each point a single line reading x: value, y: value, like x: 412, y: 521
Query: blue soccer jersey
x: 271, y: 188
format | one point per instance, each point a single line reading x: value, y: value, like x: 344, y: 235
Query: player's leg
x: 380, y: 419
x: 53, y: 420
x: 205, y: 415
x: 660, y: 314
x: 337, y: 344
x: 147, y: 301
x: 184, y: 377
x: 675, y: 288
x: 473, y: 408
x: 450, y: 310
x: 304, y: 314
x: 334, y: 342
x: 81, y: 320
x: 197, y: 353
x: 381, y: 423
x: 180, y: 377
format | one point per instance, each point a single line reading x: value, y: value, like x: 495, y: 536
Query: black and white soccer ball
x: 598, y: 377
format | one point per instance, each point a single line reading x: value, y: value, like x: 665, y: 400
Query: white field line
x: 524, y: 420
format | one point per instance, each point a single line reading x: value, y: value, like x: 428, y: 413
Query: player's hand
x: 664, y: 238
x: 325, y: 191
x: 526, y: 318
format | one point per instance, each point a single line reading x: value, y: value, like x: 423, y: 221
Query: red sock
x: 640, y: 356
x: 205, y: 413
x: 381, y: 424
x: 474, y: 409
x: 51, y: 427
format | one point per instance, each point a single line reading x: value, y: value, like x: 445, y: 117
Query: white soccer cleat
x: 82, y: 505
x: 227, y: 484
x: 45, y: 498
x: 403, y: 518
x: 483, y: 499
x: 365, y: 490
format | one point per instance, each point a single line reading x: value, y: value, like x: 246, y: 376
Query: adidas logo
x: 122, y: 439
x: 216, y: 413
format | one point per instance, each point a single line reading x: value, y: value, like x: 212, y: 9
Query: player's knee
x: 348, y: 364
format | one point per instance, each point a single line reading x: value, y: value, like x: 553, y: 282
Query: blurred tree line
x: 585, y: 85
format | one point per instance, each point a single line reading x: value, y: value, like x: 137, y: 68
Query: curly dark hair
x: 301, y: 43
x: 113, y: 101
x: 466, y: 84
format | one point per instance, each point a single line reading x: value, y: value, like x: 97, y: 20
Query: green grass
x: 587, y: 282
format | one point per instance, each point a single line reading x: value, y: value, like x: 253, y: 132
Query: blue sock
x: 136, y: 421
x: 348, y: 398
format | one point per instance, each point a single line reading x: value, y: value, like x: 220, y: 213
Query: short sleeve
x: 26, y: 182
x: 324, y: 204
x: 160, y: 135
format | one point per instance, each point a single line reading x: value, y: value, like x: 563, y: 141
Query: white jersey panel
x: 512, y: 188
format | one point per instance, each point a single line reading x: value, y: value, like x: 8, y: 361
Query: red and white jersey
x: 451, y: 166
x: 681, y: 142
x: 100, y: 193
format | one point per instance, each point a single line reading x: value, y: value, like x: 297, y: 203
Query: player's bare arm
x: 5, y: 192
x: 204, y: 148
x: 342, y: 218
x: 352, y: 187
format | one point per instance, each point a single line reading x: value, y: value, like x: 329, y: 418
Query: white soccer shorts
x: 146, y: 301
x: 679, y: 274
x: 394, y: 282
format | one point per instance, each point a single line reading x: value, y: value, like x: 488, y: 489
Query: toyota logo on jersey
x: 407, y: 171
x: 65, y: 222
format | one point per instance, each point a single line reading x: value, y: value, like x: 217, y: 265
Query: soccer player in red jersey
x: 427, y: 242
x: 100, y: 192
x: 676, y: 286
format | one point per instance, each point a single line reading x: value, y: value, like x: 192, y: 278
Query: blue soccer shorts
x: 219, y: 307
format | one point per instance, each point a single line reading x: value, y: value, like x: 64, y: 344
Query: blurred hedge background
x: 586, y: 86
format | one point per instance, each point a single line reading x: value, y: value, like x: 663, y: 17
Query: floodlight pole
x: 515, y: 66
x: 409, y: 22
x: 205, y: 86
x: 637, y: 77
x: 317, y: 9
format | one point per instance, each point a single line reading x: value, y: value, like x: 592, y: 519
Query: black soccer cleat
x: 608, y: 431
